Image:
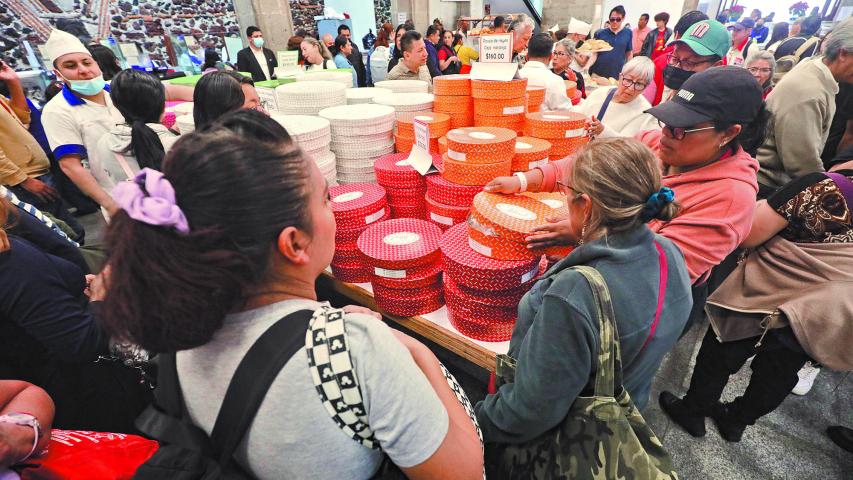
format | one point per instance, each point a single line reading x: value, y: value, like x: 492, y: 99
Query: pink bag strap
x: 664, y: 273
x: 124, y: 166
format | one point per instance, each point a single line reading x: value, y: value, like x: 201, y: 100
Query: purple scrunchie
x: 157, y: 206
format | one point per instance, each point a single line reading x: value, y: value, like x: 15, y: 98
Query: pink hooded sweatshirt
x: 717, y: 203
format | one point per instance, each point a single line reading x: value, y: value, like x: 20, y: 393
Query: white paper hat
x: 577, y: 26
x: 62, y: 43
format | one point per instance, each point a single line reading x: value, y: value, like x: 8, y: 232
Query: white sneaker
x: 807, y: 376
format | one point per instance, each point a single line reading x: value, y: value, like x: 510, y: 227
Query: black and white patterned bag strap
x: 335, y: 380
x: 332, y: 371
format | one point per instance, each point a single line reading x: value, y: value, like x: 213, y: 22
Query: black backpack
x: 186, y: 452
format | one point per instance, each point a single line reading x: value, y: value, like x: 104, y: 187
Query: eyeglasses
x: 615, y: 19
x: 685, y: 64
x: 754, y: 70
x: 628, y: 83
x: 566, y: 189
x: 679, y: 133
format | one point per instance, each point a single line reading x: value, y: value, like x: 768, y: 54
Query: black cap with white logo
x: 723, y: 94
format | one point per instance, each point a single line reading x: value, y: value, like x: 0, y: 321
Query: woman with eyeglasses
x: 561, y: 64
x: 620, y: 111
x: 762, y: 65
x: 705, y: 133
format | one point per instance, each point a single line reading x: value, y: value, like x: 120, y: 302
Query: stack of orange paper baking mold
x: 482, y: 293
x: 535, y: 97
x: 453, y: 97
x: 476, y: 155
x: 405, y: 187
x: 530, y: 153
x: 404, y: 136
x: 355, y: 206
x: 500, y: 224
x: 500, y: 104
x: 564, y: 129
x: 404, y: 262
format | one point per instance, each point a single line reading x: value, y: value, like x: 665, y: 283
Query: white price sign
x: 288, y: 59
x: 402, y: 17
x: 420, y: 157
x: 496, y: 48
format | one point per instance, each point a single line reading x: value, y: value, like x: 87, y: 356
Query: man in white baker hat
x: 578, y: 30
x: 82, y: 113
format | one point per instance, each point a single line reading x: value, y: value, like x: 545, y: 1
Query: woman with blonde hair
x: 613, y: 190
x: 316, y: 55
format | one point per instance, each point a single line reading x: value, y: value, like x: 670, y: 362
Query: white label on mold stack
x: 515, y: 211
x: 578, y: 132
x: 423, y: 118
x: 348, y: 197
x: 529, y: 275
x: 553, y: 117
x: 454, y: 155
x: 389, y: 273
x: 514, y: 110
x: 440, y: 218
x: 374, y: 217
x: 481, y: 135
x: 553, y: 203
x: 403, y: 163
x: 401, y: 238
x: 479, y: 247
x: 523, y: 146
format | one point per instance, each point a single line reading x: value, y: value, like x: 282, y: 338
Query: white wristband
x: 522, y: 179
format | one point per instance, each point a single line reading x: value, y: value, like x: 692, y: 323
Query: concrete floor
x: 790, y: 443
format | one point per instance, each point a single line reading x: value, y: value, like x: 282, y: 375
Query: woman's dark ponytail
x: 752, y: 134
x: 141, y: 98
x: 145, y: 145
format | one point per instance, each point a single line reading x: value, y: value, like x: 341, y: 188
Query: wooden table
x: 434, y: 326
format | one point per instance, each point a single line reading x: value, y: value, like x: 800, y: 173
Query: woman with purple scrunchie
x: 150, y: 198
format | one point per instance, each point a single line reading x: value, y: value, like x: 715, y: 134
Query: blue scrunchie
x: 656, y: 202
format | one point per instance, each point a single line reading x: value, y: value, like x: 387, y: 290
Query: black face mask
x: 674, y: 77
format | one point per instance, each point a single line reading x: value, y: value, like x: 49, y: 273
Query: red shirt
x: 660, y: 44
x: 660, y: 64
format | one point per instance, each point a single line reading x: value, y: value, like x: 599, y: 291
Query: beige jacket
x: 801, y: 107
x: 21, y: 156
x: 808, y: 286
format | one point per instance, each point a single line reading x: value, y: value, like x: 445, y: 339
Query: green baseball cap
x: 708, y: 37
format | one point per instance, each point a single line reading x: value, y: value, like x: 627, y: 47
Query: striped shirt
x: 35, y: 213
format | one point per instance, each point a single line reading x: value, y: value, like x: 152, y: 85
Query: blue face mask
x: 87, y: 87
x: 259, y: 42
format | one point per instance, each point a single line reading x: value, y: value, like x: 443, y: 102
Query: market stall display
x: 314, y: 136
x: 530, y: 153
x: 340, y: 75
x: 453, y: 97
x: 535, y: 98
x: 404, y: 86
x: 308, y: 98
x: 406, y: 188
x: 404, y: 135
x: 404, y: 264
x: 360, y: 134
x: 476, y: 155
x: 564, y: 129
x: 364, y: 94
x: 500, y: 104
x: 355, y: 207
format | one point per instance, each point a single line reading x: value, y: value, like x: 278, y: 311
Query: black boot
x: 841, y: 436
x: 730, y: 428
x: 693, y: 423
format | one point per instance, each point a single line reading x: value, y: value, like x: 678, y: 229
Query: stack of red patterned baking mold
x: 355, y: 206
x: 404, y: 264
x: 448, y: 203
x: 500, y: 104
x: 500, y: 224
x: 483, y: 293
x: 564, y: 129
x: 476, y: 155
x: 530, y: 152
x: 453, y: 97
x: 535, y: 97
x: 404, y: 186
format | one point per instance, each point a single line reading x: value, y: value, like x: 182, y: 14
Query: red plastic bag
x: 83, y: 455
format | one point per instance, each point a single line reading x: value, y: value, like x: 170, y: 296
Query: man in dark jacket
x: 355, y: 57
x: 655, y: 42
x: 256, y: 59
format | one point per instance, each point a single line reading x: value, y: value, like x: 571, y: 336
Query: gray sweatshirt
x: 556, y: 338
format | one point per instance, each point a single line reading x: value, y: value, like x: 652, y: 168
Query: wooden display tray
x: 434, y: 326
